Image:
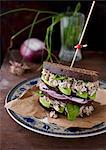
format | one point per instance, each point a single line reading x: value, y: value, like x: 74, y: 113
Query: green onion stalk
x: 54, y: 16
x: 48, y: 40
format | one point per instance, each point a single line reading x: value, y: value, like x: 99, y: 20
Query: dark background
x: 12, y: 23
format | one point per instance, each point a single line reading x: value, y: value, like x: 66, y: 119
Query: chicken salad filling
x: 72, y: 111
x: 69, y: 85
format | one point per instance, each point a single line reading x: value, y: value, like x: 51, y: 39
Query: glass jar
x: 71, y: 27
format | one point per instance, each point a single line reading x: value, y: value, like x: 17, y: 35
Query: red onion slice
x: 54, y: 94
x: 77, y: 100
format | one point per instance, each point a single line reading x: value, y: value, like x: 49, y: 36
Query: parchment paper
x: 27, y: 105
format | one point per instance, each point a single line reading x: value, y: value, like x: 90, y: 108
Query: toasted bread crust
x: 77, y: 73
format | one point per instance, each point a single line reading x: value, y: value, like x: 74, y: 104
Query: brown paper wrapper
x: 27, y: 105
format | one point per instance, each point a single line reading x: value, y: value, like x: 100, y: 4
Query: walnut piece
x: 18, y: 68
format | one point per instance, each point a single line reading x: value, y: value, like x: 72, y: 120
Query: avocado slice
x: 83, y: 95
x: 45, y: 103
x: 93, y: 96
x: 66, y: 91
x: 45, y: 81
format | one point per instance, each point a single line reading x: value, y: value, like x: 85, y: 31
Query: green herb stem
x: 28, y: 9
x: 48, y: 38
x: 77, y: 8
x: 32, y: 26
x: 27, y: 27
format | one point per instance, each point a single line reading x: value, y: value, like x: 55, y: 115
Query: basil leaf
x: 72, y: 111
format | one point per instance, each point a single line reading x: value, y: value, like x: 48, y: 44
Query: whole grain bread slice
x: 77, y: 73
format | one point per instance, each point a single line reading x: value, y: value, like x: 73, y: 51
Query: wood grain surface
x: 15, y: 137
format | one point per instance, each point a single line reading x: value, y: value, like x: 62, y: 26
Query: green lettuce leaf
x: 72, y: 111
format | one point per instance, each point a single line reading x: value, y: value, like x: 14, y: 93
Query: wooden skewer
x: 82, y: 35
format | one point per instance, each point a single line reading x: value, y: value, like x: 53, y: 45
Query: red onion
x: 31, y: 49
x: 54, y: 94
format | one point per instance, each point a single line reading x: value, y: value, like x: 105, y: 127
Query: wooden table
x: 15, y: 137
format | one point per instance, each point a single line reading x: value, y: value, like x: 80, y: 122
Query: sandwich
x: 67, y: 91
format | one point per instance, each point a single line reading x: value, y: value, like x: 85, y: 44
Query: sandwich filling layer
x: 69, y: 109
x: 57, y: 103
x: 67, y: 91
x: 70, y: 86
